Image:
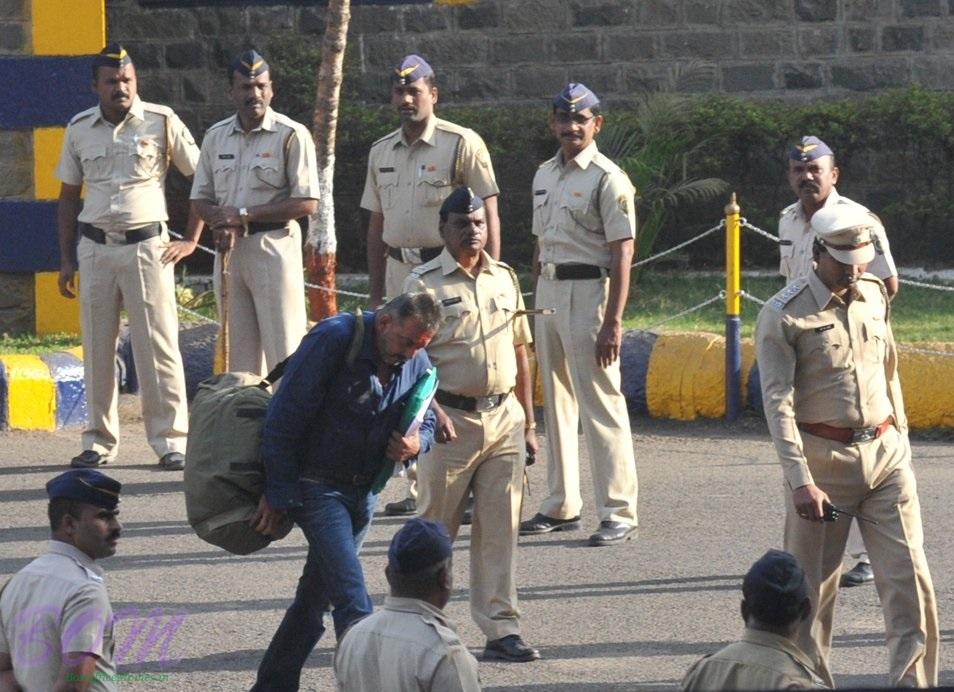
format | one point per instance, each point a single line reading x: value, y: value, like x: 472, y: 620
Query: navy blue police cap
x: 461, y: 201
x: 775, y: 584
x: 249, y: 64
x: 85, y: 485
x: 113, y: 55
x: 412, y: 68
x: 418, y: 545
x: 574, y: 98
x: 809, y: 148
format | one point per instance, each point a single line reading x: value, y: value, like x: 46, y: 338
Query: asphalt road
x: 630, y: 617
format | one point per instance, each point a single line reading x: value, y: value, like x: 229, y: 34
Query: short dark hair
x: 60, y: 507
x: 421, y: 306
x: 420, y: 584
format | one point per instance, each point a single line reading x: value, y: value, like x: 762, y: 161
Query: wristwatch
x: 243, y: 217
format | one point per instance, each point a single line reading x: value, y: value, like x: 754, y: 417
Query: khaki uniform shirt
x: 580, y: 206
x: 57, y: 604
x: 796, y: 236
x: 474, y: 346
x: 822, y: 362
x: 274, y: 162
x: 407, y: 646
x: 761, y: 661
x: 124, y: 166
x: 408, y: 183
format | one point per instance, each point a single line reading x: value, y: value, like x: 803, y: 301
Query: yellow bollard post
x: 733, y: 323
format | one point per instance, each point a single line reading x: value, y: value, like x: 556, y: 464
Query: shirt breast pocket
x: 453, y: 322
x: 540, y: 198
x: 387, y: 183
x: 579, y: 212
x: 266, y: 175
x: 95, y: 163
x: 434, y: 190
x: 876, y: 340
x: 501, y: 310
x: 828, y: 343
x: 223, y: 178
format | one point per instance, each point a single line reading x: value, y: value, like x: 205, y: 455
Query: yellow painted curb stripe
x: 47, y: 143
x: 31, y: 393
x: 53, y: 313
x: 926, y: 384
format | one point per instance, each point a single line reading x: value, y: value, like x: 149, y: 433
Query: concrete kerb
x: 674, y: 375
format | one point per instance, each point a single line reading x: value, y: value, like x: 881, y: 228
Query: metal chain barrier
x: 687, y: 311
x: 197, y: 315
x: 748, y: 296
x: 744, y: 223
x: 921, y: 284
x: 926, y: 351
x: 653, y: 258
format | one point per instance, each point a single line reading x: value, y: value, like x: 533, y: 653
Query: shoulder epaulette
x: 386, y: 137
x: 453, y: 128
x: 606, y: 163
x: 790, y: 209
x: 513, y: 277
x: 83, y: 115
x: 785, y: 296
x: 157, y: 108
x: 219, y: 124
x: 285, y: 121
x: 422, y: 269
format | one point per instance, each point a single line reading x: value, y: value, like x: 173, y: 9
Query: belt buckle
x: 864, y: 434
x: 548, y: 271
x: 411, y: 255
x: 485, y: 403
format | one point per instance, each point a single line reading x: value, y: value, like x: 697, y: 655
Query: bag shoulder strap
x: 354, y: 348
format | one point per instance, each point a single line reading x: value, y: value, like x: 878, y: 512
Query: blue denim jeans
x: 334, y: 519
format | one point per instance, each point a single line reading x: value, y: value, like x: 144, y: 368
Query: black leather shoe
x: 88, y: 460
x: 611, y: 532
x: 510, y: 648
x: 859, y: 575
x: 541, y: 523
x: 405, y: 507
x: 173, y: 461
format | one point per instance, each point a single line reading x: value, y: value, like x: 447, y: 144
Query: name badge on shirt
x: 386, y: 169
x: 539, y: 192
x: 451, y: 301
x: 785, y: 242
x: 819, y: 330
x: 226, y: 156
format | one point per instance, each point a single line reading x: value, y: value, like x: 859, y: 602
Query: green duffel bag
x: 224, y: 474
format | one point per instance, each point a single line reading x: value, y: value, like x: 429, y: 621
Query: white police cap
x: 847, y: 232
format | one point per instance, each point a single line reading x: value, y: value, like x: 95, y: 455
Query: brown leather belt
x: 470, y: 404
x: 847, y: 436
x: 427, y: 253
x: 98, y: 235
x: 564, y: 272
x: 263, y: 227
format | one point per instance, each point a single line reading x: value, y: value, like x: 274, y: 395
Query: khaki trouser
x: 395, y: 274
x: 874, y: 479
x: 576, y: 388
x: 856, y: 546
x: 116, y: 276
x: 487, y: 458
x: 266, y: 299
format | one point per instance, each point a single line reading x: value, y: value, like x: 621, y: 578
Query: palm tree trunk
x: 322, y: 241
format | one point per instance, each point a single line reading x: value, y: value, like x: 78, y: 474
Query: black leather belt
x: 427, y: 253
x: 562, y: 272
x: 357, y: 480
x: 98, y: 235
x: 470, y: 404
x: 263, y: 227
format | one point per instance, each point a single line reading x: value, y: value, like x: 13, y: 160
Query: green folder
x: 418, y: 400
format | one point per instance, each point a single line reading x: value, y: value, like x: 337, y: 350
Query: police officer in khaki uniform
x: 121, y: 151
x: 258, y: 173
x: 774, y: 601
x: 485, y: 414
x: 585, y: 224
x: 56, y: 622
x: 410, y: 173
x: 828, y: 367
x: 812, y: 175
x: 409, y: 645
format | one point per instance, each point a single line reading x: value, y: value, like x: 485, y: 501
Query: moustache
x: 119, y: 96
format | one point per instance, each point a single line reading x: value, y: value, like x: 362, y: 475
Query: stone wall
x: 521, y: 51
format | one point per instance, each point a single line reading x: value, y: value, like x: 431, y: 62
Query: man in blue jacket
x: 329, y: 429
